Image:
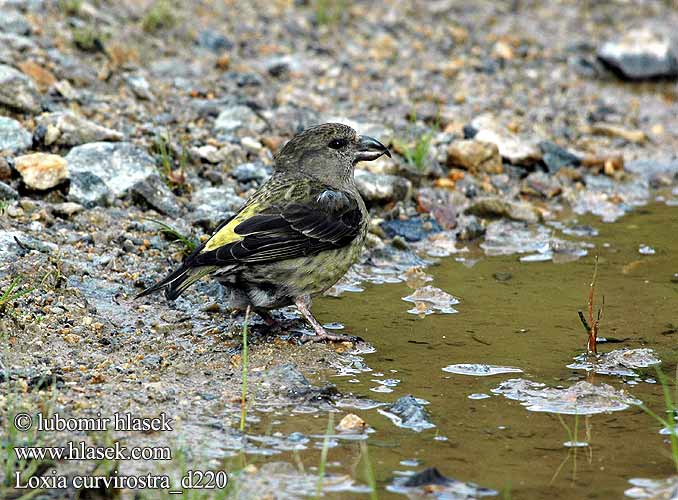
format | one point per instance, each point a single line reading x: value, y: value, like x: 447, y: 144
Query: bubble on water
x: 608, y: 198
x: 583, y: 398
x: 356, y: 403
x: 479, y: 370
x: 575, y: 444
x: 381, y: 388
x: 619, y: 362
x: 429, y: 300
x: 410, y: 462
x: 504, y: 237
x: 479, y: 395
x: 653, y: 488
x: 646, y: 250
x: 333, y: 326
x: 667, y: 432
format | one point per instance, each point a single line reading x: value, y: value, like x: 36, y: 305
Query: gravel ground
x: 116, y: 115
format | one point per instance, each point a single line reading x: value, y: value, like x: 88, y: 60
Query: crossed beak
x: 370, y: 149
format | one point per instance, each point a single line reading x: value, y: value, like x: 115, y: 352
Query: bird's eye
x: 338, y: 143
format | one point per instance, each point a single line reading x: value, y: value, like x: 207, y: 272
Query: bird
x: 296, y: 236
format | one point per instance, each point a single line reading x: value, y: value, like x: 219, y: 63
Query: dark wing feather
x: 327, y: 220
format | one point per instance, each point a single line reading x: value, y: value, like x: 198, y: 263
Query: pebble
x: 41, y: 171
x: 17, y: 91
x: 238, y: 117
x: 140, y: 87
x: 475, y: 156
x: 555, y: 157
x: 512, y: 147
x: 541, y: 184
x: 7, y: 192
x: 66, y: 128
x: 351, y: 423
x: 12, y: 21
x: 13, y: 137
x: 251, y: 172
x: 640, y: 54
x: 382, y: 187
x: 499, y: 207
x: 415, y: 229
x: 630, y: 135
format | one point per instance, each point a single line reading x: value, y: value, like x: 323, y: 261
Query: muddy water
x: 527, y: 320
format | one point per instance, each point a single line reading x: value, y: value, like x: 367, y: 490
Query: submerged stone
x: 431, y: 483
x: 408, y: 412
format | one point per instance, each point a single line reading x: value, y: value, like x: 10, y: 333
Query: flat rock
x: 17, y: 91
x: 512, y: 147
x: 103, y: 171
x: 408, y: 412
x: 498, y: 207
x: 640, y: 54
x: 41, y: 171
x: 236, y: 118
x: 13, y: 137
x: 541, y: 184
x: 556, y: 157
x: 214, y: 204
x: 475, y: 156
x: 12, y: 21
x: 65, y: 128
x: 382, y: 187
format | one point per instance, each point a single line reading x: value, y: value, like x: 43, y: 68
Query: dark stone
x: 502, y: 276
x: 427, y: 477
x: 216, y: 42
x: 7, y: 192
x: 556, y: 157
x: 412, y: 230
x: 470, y: 131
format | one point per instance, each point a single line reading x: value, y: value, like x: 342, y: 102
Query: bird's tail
x: 178, y: 281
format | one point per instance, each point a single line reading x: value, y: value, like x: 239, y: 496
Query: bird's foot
x: 323, y: 336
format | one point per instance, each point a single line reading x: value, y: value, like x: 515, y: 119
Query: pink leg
x: 303, y: 303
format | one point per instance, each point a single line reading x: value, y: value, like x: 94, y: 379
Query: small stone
x: 7, y: 192
x: 556, y: 157
x: 65, y: 128
x: 497, y: 207
x: 238, y: 117
x: 541, y: 184
x: 251, y: 172
x: 412, y: 230
x: 12, y: 21
x: 674, y: 278
x: 216, y: 42
x: 637, y: 136
x: 640, y: 54
x: 512, y: 147
x: 67, y: 208
x: 13, y: 137
x: 40, y: 75
x: 382, y: 187
x: 17, y: 91
x: 5, y: 170
x: 475, y: 156
x: 251, y: 144
x: 72, y: 338
x: 140, y: 87
x: 42, y: 171
x: 351, y: 423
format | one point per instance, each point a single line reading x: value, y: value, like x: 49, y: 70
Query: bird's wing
x: 323, y: 219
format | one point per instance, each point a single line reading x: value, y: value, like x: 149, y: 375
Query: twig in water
x: 592, y: 325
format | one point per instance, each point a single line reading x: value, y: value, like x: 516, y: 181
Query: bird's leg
x: 303, y: 303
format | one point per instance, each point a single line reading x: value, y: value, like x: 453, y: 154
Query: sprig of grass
x: 323, y: 455
x: 159, y: 16
x: 10, y: 294
x: 245, y: 363
x: 329, y: 12
x: 592, y: 326
x: 369, y: 470
x: 174, y: 177
x: 671, y: 408
x: 189, y: 244
x: 417, y: 155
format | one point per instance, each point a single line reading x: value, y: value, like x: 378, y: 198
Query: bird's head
x: 328, y: 152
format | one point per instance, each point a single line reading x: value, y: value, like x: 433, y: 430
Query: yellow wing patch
x: 227, y: 233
